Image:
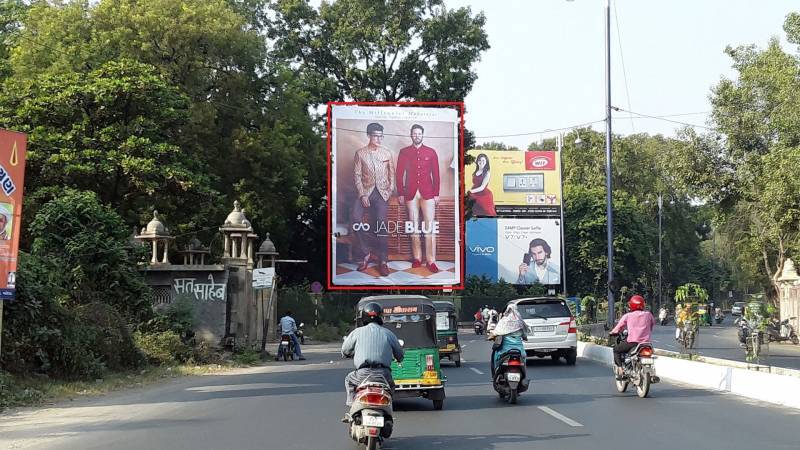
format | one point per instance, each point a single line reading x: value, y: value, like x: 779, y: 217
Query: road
x: 721, y: 341
x: 298, y: 406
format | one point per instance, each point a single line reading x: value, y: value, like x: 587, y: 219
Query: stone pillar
x: 226, y: 253
x: 166, y: 251
x: 154, y: 259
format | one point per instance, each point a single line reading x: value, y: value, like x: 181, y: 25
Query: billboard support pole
x: 560, y: 144
x: 1, y: 331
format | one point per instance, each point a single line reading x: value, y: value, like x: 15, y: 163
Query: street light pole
x: 660, y: 204
x: 609, y: 211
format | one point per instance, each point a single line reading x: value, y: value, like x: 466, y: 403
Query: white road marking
x: 560, y: 417
x: 476, y: 370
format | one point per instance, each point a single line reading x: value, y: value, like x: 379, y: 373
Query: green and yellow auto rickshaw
x: 412, y: 318
x: 447, y: 331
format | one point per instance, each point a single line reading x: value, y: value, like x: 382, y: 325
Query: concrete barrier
x: 768, y: 387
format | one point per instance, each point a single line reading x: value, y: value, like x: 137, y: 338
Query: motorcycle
x: 718, y: 316
x: 300, y: 334
x: 371, y: 413
x: 688, y: 336
x: 638, y: 368
x: 663, y: 318
x: 749, y: 338
x: 509, y: 377
x: 782, y: 331
x: 286, y: 348
x: 478, y: 326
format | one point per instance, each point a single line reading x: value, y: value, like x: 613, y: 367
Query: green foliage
x: 325, y: 332
x: 91, y: 244
x: 394, y: 50
x: 165, y: 347
x: 246, y: 357
x: 690, y: 293
x: 179, y: 317
x: 112, y: 131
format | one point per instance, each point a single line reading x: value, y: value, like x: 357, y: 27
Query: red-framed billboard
x: 395, y: 204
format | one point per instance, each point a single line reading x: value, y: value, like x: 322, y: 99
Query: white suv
x: 551, y: 329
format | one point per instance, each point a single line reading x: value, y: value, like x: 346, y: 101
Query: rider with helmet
x: 639, y: 323
x: 372, y: 347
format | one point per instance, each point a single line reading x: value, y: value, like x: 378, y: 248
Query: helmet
x: 636, y: 303
x: 372, y: 312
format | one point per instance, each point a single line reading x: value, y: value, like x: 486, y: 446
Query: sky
x: 545, y: 69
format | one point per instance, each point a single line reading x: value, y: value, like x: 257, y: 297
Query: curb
x: 767, y: 387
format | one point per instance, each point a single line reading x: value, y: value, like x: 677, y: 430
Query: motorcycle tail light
x: 646, y: 351
x: 373, y: 431
x: 514, y: 362
x: 429, y: 363
x: 374, y: 397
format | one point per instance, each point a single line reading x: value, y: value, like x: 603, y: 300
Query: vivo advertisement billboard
x: 519, y: 251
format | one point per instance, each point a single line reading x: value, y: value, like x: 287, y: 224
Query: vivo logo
x: 540, y: 161
x: 478, y: 250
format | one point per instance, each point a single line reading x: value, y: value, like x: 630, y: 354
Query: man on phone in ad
x: 543, y: 270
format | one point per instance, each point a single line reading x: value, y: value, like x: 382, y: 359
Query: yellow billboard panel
x: 514, y: 183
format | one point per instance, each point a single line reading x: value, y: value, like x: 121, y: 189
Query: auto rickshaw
x: 412, y: 318
x: 447, y: 331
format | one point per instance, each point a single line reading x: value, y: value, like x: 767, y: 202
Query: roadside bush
x: 179, y: 317
x: 112, y: 340
x: 164, y: 347
x: 324, y: 333
x: 246, y: 357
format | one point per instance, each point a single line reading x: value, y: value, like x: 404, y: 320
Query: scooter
x: 663, y: 318
x: 638, y: 368
x: 718, y: 316
x: 478, y: 326
x: 509, y: 377
x: 782, y: 331
x: 371, y: 413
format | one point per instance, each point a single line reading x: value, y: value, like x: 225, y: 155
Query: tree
x: 391, y: 51
x: 494, y: 145
x: 113, y: 132
x: 91, y: 245
x: 750, y: 169
x: 246, y: 126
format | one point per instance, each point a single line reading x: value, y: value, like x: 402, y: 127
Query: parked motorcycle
x: 478, y: 326
x: 509, y: 376
x: 782, y: 331
x: 663, y: 317
x: 371, y: 413
x: 638, y: 368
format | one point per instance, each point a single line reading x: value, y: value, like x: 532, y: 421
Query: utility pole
x: 609, y: 210
x: 660, y: 204
x: 560, y: 145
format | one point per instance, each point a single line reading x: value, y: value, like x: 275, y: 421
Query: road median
x: 776, y: 388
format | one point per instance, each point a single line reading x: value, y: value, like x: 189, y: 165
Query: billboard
x: 514, y: 183
x: 519, y: 251
x: 12, y: 178
x: 394, y: 202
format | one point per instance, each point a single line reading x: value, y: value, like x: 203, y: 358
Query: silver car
x: 737, y: 309
x: 551, y: 329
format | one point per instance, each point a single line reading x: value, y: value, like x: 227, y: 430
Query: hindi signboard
x: 12, y: 178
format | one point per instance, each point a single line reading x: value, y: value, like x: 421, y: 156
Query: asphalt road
x: 298, y: 406
x: 721, y: 341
